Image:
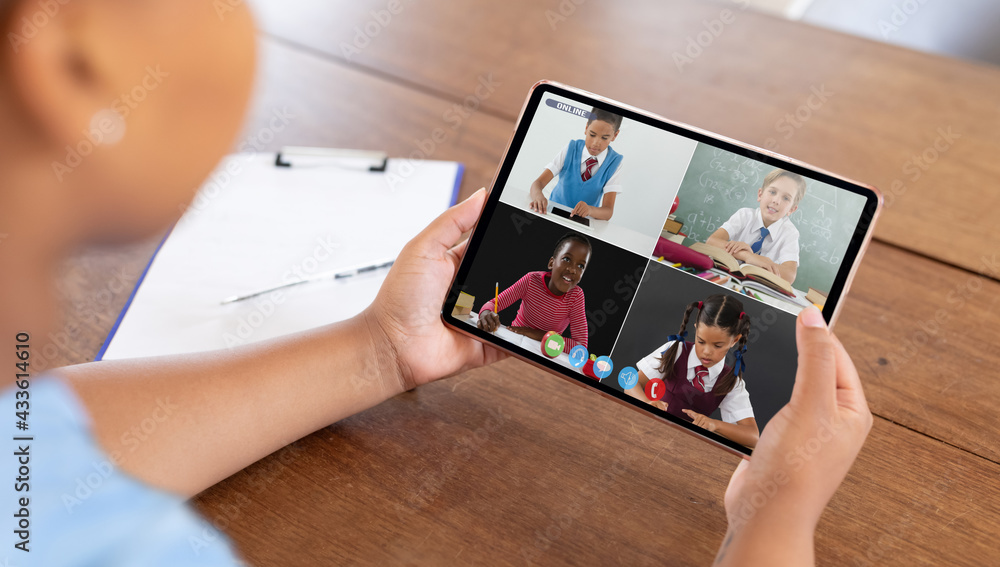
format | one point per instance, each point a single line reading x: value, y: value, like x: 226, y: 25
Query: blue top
x: 571, y: 188
x: 84, y: 511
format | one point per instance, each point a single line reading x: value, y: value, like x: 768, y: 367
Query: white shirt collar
x: 585, y: 155
x: 713, y: 371
x: 774, y: 230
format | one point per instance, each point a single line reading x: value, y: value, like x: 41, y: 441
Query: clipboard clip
x: 363, y: 160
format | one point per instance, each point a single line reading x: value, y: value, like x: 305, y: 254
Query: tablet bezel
x: 845, y: 275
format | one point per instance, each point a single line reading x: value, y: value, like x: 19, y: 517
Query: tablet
x: 679, y: 298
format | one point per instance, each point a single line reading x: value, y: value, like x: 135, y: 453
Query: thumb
x: 816, y: 380
x: 446, y: 230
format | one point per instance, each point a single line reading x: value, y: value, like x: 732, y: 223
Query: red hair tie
x: 700, y: 303
x: 742, y: 314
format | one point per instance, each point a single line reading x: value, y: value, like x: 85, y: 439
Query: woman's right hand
x: 803, y: 455
x: 489, y: 321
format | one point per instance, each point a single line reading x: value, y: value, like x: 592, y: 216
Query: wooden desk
x: 508, y: 465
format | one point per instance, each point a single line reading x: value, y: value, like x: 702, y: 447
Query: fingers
x: 457, y: 252
x: 445, y: 230
x: 847, y: 378
x: 539, y: 205
x: 816, y: 380
x: 488, y: 321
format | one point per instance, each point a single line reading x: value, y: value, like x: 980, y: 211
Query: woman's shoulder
x: 89, y: 505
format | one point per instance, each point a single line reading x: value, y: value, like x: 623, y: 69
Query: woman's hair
x: 724, y: 312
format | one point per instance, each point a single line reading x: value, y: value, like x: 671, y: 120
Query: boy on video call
x: 765, y: 236
x: 589, y: 171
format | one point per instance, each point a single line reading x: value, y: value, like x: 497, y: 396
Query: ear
x: 57, y: 76
x: 614, y: 136
x: 760, y: 194
x: 792, y: 210
x: 736, y: 341
x: 552, y: 261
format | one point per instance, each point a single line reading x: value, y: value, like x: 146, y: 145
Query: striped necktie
x: 589, y: 166
x: 700, y: 373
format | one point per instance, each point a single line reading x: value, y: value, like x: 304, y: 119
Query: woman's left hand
x: 405, y: 318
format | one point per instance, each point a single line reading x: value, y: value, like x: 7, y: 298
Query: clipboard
x: 266, y: 219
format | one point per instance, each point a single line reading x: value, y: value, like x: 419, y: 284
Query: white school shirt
x: 735, y: 405
x: 614, y: 184
x: 782, y: 242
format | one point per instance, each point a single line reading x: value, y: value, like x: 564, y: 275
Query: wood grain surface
x: 510, y: 465
x: 883, y: 105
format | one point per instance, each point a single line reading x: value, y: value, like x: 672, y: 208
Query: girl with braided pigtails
x: 696, y: 379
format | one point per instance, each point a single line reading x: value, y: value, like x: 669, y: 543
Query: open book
x: 726, y: 261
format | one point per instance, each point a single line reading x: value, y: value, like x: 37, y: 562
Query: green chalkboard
x: 718, y: 183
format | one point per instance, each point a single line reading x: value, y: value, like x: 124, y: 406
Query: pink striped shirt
x: 542, y: 309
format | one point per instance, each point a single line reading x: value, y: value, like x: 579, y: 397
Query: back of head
x: 115, y: 111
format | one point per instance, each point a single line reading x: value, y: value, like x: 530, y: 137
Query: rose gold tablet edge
x: 503, y: 159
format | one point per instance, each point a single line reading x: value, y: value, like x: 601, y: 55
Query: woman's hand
x: 405, y: 319
x: 775, y: 500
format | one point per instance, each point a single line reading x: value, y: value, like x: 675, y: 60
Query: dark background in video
x: 659, y: 306
x: 517, y: 242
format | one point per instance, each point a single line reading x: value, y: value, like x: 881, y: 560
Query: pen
x: 496, y: 298
x: 335, y: 275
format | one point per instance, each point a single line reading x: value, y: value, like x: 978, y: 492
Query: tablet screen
x: 680, y: 296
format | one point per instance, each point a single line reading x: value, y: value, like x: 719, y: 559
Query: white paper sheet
x: 253, y: 226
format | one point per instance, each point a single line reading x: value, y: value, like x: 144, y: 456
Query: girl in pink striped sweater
x: 550, y: 301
